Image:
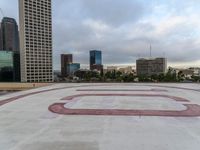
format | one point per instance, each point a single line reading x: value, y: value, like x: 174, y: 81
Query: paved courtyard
x: 102, y: 117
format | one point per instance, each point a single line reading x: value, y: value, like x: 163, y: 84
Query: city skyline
x: 171, y: 27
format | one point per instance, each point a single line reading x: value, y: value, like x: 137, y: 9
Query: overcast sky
x: 124, y: 29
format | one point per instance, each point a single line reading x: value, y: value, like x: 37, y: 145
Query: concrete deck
x: 102, y: 117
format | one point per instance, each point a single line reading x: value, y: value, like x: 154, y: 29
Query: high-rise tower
x: 9, y: 50
x: 96, y: 60
x: 36, y: 40
x: 1, y: 40
x: 9, y: 34
x: 65, y: 60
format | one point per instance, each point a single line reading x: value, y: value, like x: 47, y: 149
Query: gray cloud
x: 115, y: 13
x: 123, y: 30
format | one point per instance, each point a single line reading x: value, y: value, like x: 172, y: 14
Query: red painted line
x: 122, y: 90
x: 175, y: 98
x: 191, y: 111
x: 9, y: 100
x: 174, y: 87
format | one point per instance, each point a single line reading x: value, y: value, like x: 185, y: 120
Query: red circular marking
x: 191, y: 111
x: 9, y: 100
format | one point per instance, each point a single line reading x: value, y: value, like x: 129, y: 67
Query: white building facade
x: 36, y: 40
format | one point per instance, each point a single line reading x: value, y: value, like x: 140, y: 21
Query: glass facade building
x: 95, y: 57
x: 1, y: 40
x: 96, y: 60
x: 72, y: 68
x: 8, y: 71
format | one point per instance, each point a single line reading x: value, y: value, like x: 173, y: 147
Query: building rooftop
x: 102, y: 117
x: 151, y: 58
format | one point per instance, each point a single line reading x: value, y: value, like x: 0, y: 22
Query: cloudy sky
x: 124, y: 29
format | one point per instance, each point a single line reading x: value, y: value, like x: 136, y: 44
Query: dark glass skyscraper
x: 9, y: 42
x: 96, y: 60
x: 10, y: 34
x: 95, y: 57
x: 1, y: 40
x: 9, y: 66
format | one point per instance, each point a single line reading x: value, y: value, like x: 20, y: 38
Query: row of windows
x: 44, y: 57
x: 42, y: 4
x: 38, y: 2
x: 33, y: 77
x: 39, y: 51
x: 39, y: 40
x: 35, y: 40
x: 41, y: 45
x: 46, y: 31
x: 38, y: 11
x: 39, y: 68
x: 38, y: 7
x: 43, y: 76
x: 38, y: 15
x: 46, y: 50
x: 39, y: 73
x: 45, y: 62
x: 35, y: 27
x: 49, y: 65
x: 36, y: 21
x: 43, y: 35
x: 37, y: 47
x: 33, y: 60
x: 36, y: 18
x: 40, y: 80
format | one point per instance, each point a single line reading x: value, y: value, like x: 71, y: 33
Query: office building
x: 36, y: 40
x: 96, y: 60
x: 151, y: 66
x: 65, y: 60
x: 9, y: 72
x: 9, y: 35
x: 72, y: 68
x: 9, y: 42
x: 1, y: 40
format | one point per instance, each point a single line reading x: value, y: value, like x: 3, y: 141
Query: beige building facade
x: 36, y: 40
x: 151, y: 66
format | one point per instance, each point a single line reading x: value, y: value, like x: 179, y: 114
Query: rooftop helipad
x: 102, y: 117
